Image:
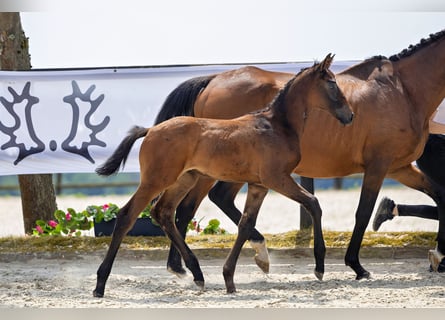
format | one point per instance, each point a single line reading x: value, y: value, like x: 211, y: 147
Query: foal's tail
x: 120, y: 155
x: 181, y: 100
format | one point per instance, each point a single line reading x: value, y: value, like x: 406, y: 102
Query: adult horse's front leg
x: 255, y: 197
x: 372, y: 182
x: 126, y: 218
x: 223, y: 195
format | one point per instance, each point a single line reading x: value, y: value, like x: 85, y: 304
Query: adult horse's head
x: 325, y: 94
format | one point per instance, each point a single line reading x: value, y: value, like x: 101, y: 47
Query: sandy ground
x: 142, y: 283
x: 278, y: 214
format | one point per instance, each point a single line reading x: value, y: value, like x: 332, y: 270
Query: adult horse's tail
x: 120, y: 155
x: 181, y: 100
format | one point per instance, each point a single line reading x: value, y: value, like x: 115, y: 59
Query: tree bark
x: 37, y: 191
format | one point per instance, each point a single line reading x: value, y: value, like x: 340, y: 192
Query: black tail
x: 181, y: 100
x: 120, y: 155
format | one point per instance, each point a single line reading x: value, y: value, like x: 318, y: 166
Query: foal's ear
x: 326, y: 63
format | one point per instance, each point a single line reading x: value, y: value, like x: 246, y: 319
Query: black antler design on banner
x: 95, y: 129
x: 10, y: 131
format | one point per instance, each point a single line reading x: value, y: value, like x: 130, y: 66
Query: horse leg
x: 372, y: 182
x: 415, y: 179
x: 163, y: 213
x: 287, y: 186
x: 430, y: 164
x: 126, y: 218
x: 184, y: 213
x: 223, y: 195
x: 255, y: 197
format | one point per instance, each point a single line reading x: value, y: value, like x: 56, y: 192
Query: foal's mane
x: 414, y: 48
x: 279, y: 98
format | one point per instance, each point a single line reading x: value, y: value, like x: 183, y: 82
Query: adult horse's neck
x: 421, y: 68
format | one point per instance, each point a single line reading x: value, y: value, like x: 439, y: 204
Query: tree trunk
x: 37, y: 191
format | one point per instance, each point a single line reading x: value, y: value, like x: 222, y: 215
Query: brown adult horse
x: 393, y: 99
x: 261, y: 149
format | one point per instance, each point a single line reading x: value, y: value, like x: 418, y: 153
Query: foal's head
x: 323, y: 92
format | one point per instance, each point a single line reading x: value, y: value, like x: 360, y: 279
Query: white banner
x: 60, y: 121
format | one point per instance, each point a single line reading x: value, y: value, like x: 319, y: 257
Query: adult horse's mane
x: 413, y: 48
x: 278, y: 100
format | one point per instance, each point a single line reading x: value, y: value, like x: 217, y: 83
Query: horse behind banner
x: 261, y: 149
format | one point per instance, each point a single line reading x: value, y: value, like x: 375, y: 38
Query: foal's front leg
x: 255, y: 197
x: 287, y: 186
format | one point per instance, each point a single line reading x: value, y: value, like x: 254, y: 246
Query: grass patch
x: 292, y: 239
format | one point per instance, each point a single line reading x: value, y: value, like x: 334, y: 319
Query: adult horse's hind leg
x: 255, y: 197
x: 163, y: 213
x: 415, y: 179
x: 126, y: 218
x: 223, y: 195
x: 184, y: 213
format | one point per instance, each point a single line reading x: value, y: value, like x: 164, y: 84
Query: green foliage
x: 72, y: 223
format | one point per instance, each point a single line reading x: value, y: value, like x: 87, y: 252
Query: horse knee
x: 313, y: 207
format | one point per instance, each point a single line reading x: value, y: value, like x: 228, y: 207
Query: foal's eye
x: 332, y: 85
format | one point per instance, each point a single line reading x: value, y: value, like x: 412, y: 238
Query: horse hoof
x: 363, y: 275
x: 181, y: 273
x: 319, y: 275
x: 97, y: 294
x: 262, y: 255
x: 231, y: 290
x: 263, y: 265
x: 436, y: 261
x: 200, y: 284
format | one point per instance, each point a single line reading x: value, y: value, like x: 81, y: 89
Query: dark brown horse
x: 393, y: 99
x: 261, y: 149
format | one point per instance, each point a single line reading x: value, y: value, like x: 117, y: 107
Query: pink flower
x: 39, y: 229
x: 68, y: 216
x: 105, y: 207
x: 52, y: 223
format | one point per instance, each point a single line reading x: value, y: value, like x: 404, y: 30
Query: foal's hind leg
x: 255, y: 197
x: 184, y: 213
x: 163, y: 213
x: 223, y: 195
x: 126, y: 218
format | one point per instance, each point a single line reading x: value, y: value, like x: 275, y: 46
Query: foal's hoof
x: 364, y: 275
x: 319, y: 275
x: 181, y: 273
x: 200, y: 284
x: 437, y: 261
x: 98, y: 294
x: 231, y: 290
x: 262, y: 255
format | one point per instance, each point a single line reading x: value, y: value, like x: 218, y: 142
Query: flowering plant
x: 73, y: 223
x: 213, y: 227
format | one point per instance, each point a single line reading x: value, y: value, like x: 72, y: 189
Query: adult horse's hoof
x: 262, y: 255
x: 200, y: 284
x: 98, y: 294
x: 364, y: 275
x: 181, y: 273
x: 319, y: 275
x: 437, y: 261
x: 231, y: 290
